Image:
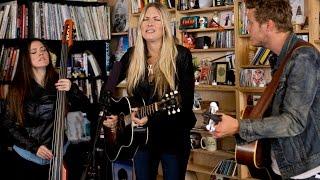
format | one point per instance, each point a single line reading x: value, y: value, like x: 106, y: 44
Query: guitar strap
x: 267, y: 95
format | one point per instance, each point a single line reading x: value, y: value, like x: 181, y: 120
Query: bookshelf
x: 314, y: 24
x: 233, y: 99
x: 44, y: 20
x: 202, y: 161
x: 29, y: 19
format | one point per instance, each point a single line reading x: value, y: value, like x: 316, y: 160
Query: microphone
x: 105, y: 103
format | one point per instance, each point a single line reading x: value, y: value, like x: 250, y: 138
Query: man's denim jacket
x: 294, y: 125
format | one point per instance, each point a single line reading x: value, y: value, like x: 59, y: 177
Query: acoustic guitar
x: 256, y: 154
x: 124, y: 140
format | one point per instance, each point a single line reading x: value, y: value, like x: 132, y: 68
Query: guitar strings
x: 58, y: 130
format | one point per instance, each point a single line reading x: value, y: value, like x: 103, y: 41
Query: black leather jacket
x: 39, y: 112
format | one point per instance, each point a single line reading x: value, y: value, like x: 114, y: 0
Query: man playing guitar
x: 292, y: 127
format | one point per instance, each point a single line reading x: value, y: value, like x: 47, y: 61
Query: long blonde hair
x: 165, y: 67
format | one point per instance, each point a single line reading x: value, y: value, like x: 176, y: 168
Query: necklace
x: 150, y: 73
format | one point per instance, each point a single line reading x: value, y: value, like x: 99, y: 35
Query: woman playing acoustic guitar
x: 153, y: 67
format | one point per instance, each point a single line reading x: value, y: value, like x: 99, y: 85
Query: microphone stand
x: 92, y: 172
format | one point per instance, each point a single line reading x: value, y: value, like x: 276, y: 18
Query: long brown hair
x: 20, y: 88
x: 165, y: 68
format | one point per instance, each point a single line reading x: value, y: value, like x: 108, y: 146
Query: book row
x: 45, y: 20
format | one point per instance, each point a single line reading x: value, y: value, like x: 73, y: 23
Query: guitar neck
x: 148, y: 110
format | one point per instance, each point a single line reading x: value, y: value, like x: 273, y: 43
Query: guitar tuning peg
x: 174, y: 111
x: 175, y: 92
x: 169, y: 113
x: 178, y: 110
x: 171, y: 93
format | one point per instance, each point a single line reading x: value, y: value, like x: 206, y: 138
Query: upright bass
x: 57, y: 172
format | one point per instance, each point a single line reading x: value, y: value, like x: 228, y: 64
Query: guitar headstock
x: 68, y: 32
x: 170, y: 102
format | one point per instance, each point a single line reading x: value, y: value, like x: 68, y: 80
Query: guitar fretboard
x: 148, y: 110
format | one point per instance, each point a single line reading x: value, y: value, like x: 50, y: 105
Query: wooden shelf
x: 227, y: 177
x: 119, y: 33
x: 172, y: 10
x: 212, y: 50
x: 199, y: 168
x: 217, y: 153
x: 209, y: 9
x: 200, y: 111
x: 206, y: 170
x: 251, y: 89
x: 135, y: 14
x: 200, y: 131
x: 302, y: 31
x: 254, y: 66
x: 244, y: 35
x: 215, y: 88
x: 207, y: 29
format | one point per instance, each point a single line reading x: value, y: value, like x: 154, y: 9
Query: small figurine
x: 196, y: 77
x: 213, y: 107
x: 214, y: 83
x: 214, y: 22
x: 189, y: 40
x: 212, y: 116
x: 203, y: 21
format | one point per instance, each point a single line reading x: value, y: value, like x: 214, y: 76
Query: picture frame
x: 120, y: 16
x: 221, y: 72
x: 226, y: 19
x: 204, y: 71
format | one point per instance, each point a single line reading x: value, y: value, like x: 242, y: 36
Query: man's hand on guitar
x: 228, y: 126
x: 44, y: 153
x: 135, y: 119
x: 111, y: 122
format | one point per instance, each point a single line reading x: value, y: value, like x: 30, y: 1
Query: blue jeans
x: 173, y: 165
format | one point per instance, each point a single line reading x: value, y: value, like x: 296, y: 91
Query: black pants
x: 28, y: 170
